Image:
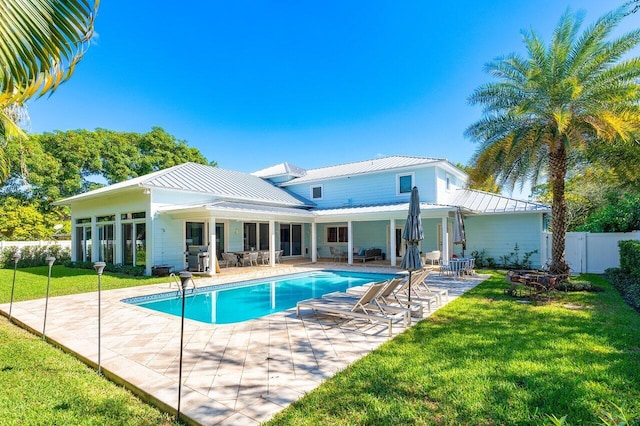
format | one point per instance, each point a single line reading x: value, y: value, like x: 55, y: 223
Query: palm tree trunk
x: 558, y: 172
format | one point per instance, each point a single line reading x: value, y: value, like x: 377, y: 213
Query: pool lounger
x: 347, y: 307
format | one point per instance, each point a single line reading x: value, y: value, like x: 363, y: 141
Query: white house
x: 158, y: 218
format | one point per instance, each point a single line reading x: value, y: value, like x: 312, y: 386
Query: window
x: 129, y: 216
x: 404, y: 183
x: 448, y: 183
x: 316, y: 192
x: 337, y: 234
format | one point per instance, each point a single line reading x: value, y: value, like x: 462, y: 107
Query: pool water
x: 254, y: 299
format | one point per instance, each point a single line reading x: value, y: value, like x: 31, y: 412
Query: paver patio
x: 233, y: 374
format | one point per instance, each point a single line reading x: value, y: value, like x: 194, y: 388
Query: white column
x: 445, y: 242
x: 314, y: 243
x: 95, y: 241
x: 350, y: 242
x: 392, y: 242
x: 213, y: 254
x: 272, y: 243
x: 117, y: 235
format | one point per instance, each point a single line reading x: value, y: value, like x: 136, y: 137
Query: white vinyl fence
x: 588, y: 252
x: 20, y: 244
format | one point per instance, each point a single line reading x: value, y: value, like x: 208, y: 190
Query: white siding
x: 498, y: 235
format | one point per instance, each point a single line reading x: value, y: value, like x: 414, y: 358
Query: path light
x: 16, y: 259
x: 99, y: 266
x: 50, y: 260
x: 184, y: 279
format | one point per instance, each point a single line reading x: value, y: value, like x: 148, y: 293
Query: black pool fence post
x: 50, y: 260
x: 99, y: 267
x: 16, y: 259
x: 185, y: 276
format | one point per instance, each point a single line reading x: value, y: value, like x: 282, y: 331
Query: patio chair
x: 418, y: 292
x: 364, y: 307
x: 388, y: 296
x: 423, y: 285
x: 250, y: 258
x: 229, y: 259
x: 264, y: 257
x: 433, y: 257
x: 336, y: 254
x: 278, y: 255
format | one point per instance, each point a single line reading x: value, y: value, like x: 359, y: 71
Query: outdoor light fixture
x: 185, y: 276
x: 16, y: 259
x: 50, y: 260
x: 99, y: 266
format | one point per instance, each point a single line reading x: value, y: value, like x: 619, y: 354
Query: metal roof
x: 213, y: 181
x: 481, y: 202
x: 234, y: 208
x: 282, y: 169
x: 361, y: 167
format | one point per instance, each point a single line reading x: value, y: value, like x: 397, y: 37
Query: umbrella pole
x: 409, y: 288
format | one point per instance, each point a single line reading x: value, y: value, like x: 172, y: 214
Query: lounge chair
x: 389, y: 295
x: 424, y: 287
x: 381, y: 300
x: 360, y: 308
x: 418, y: 292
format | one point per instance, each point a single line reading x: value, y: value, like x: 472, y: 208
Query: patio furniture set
x: 248, y: 258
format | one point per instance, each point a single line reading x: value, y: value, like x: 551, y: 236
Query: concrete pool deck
x: 232, y: 374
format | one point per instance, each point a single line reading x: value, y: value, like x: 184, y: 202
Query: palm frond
x: 41, y: 41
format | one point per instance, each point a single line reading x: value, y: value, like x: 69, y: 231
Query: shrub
x: 630, y: 257
x: 136, y: 271
x: 627, y: 284
x: 34, y: 255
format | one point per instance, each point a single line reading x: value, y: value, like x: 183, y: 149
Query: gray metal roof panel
x: 361, y: 167
x: 486, y: 202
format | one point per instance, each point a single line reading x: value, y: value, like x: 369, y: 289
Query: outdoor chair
x: 250, y: 258
x: 229, y: 259
x: 336, y: 254
x: 433, y: 257
x: 278, y: 255
x: 363, y: 308
x: 416, y: 290
x: 264, y: 257
x: 389, y: 295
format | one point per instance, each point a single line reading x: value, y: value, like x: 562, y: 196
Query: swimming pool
x: 253, y: 299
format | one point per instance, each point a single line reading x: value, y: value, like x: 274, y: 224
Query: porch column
x: 212, y: 245
x: 392, y: 242
x: 95, y: 241
x: 117, y: 235
x: 445, y: 241
x: 272, y: 243
x: 314, y: 243
x: 350, y: 243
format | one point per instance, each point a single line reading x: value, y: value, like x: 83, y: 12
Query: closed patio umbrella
x: 413, y: 233
x: 459, y: 236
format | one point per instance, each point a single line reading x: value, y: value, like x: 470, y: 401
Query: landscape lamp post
x: 16, y: 259
x: 184, y: 279
x: 50, y: 260
x: 99, y: 266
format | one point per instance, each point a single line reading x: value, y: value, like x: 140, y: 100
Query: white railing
x: 587, y: 252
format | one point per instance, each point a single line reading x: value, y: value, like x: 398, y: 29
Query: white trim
x: 401, y: 175
x: 311, y: 188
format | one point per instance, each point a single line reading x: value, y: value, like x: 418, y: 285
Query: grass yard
x: 31, y: 283
x: 40, y: 384
x: 485, y: 359
x: 488, y: 359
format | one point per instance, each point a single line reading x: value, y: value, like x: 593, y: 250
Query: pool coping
x: 261, y: 366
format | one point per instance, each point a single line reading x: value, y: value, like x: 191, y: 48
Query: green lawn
x: 31, y: 283
x: 487, y: 359
x: 484, y: 359
x: 40, y: 384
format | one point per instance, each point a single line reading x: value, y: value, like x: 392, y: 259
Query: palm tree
x: 545, y: 108
x: 41, y: 41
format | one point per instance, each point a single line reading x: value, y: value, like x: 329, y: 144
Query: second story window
x: 404, y: 183
x: 316, y: 192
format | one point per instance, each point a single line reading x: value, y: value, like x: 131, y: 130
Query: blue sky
x: 256, y: 83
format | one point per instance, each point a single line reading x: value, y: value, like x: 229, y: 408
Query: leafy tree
x: 618, y: 215
x: 41, y: 42
x: 21, y: 221
x: 576, y: 91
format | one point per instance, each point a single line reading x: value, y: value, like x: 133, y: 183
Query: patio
x: 232, y: 374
